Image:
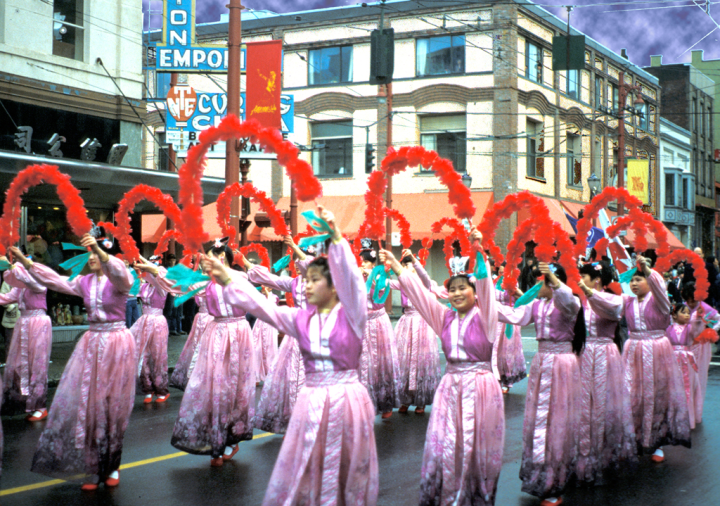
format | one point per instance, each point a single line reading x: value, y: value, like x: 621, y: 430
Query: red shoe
x: 403, y: 409
x: 42, y: 416
x: 88, y: 487
x: 147, y: 399
x: 505, y: 390
x: 113, y: 482
x: 235, y: 450
x: 387, y: 415
x: 163, y: 398
x: 658, y: 458
x: 218, y: 462
x: 420, y: 410
x: 548, y: 503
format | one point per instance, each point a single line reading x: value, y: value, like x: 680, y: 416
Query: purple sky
x: 652, y: 30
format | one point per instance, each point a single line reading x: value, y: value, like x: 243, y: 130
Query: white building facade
x: 677, y: 181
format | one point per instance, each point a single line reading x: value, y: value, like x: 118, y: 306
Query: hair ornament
x: 220, y: 243
x: 552, y: 268
x: 458, y: 264
x: 366, y: 244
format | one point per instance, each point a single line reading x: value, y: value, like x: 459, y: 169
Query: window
x: 643, y: 117
x: 573, y: 151
x: 440, y: 55
x: 332, y: 146
x: 693, y: 114
x: 670, y: 188
x: 572, y: 81
x: 598, y: 92
x: 688, y: 199
x: 535, y: 146
x: 330, y: 65
x: 162, y: 84
x: 597, y: 158
x: 701, y: 119
x: 445, y: 134
x: 533, y: 62
x: 615, y: 98
x: 163, y: 153
x: 709, y: 123
x: 68, y: 31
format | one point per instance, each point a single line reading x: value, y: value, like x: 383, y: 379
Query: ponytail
x: 578, y: 342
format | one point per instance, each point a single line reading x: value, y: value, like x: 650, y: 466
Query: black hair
x: 559, y: 272
x: 687, y: 292
x: 466, y: 277
x: 322, y: 264
x: 604, y: 272
x: 367, y: 256
x: 678, y: 307
x: 640, y: 273
x: 580, y: 329
x: 222, y: 249
x: 407, y: 259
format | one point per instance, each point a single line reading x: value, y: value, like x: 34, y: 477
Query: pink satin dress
x: 188, y: 355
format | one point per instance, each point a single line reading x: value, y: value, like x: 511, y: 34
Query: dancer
x: 552, y: 405
x: 92, y: 405
x: 28, y: 359
x: 607, y: 434
x: 508, y: 358
x: 418, y: 355
x: 265, y: 341
x: 465, y: 436
x: 701, y: 351
x: 151, y: 334
x: 657, y: 396
x: 329, y: 455
x: 680, y: 335
x: 379, y: 368
x: 287, y: 376
x: 219, y: 401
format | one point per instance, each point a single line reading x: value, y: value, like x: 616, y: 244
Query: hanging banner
x: 638, y: 176
x: 264, y: 82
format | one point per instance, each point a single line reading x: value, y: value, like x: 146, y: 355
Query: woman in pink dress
x: 328, y: 456
x: 508, y: 357
x: 92, y: 405
x: 552, y: 404
x: 418, y: 354
x: 28, y: 359
x: 188, y: 355
x: 607, y: 434
x: 701, y: 351
x: 265, y: 342
x: 657, y: 397
x: 287, y: 376
x: 466, y: 432
x: 219, y: 402
x: 151, y: 335
x: 379, y: 368
x: 680, y: 334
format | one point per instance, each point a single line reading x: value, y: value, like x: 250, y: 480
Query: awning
x: 557, y: 213
x: 573, y: 208
x: 420, y: 209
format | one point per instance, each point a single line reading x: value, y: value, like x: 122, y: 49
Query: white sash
x: 320, y: 339
x: 457, y: 335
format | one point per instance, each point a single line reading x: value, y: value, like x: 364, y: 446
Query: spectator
x: 527, y: 279
x: 711, y: 264
x: 173, y: 314
x: 9, y: 318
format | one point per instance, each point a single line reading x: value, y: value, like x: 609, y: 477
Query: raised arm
x: 606, y: 305
x: 11, y: 297
x: 349, y: 284
x: 521, y: 316
x: 18, y: 277
x: 117, y: 274
x: 660, y: 297
x: 432, y: 311
x: 486, y: 303
x: 303, y: 264
x: 54, y: 281
x: 260, y: 275
x: 565, y: 301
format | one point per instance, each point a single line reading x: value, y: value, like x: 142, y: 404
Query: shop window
x: 598, y: 92
x: 163, y: 154
x: 643, y: 117
x: 447, y: 135
x: 162, y: 85
x: 535, y: 145
x: 573, y: 152
x: 330, y: 65
x: 688, y: 191
x: 68, y: 30
x: 533, y: 62
x: 440, y: 55
x: 572, y: 84
x: 332, y: 145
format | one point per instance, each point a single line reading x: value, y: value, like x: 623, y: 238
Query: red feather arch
x: 260, y: 250
x: 458, y: 234
x: 702, y: 284
x: 403, y: 225
x: 424, y: 253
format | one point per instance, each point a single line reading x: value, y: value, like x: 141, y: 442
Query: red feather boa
x: 702, y: 285
x: 34, y: 175
x: 164, y: 242
x: 424, y: 253
x: 260, y: 250
x: 306, y: 185
x: 266, y: 205
x: 374, y: 204
x: 403, y: 225
x: 458, y: 234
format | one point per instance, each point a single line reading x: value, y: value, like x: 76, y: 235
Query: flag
x: 594, y: 235
x: 264, y: 82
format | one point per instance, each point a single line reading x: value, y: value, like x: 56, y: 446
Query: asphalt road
x: 154, y: 473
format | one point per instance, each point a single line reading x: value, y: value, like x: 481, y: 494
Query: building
x: 677, y: 181
x: 472, y: 81
x: 687, y: 101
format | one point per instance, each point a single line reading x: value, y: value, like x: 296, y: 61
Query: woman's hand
x: 89, y: 241
x: 644, y: 264
x: 290, y: 243
x: 408, y: 253
x: 550, y: 277
x: 586, y: 289
x: 476, y: 236
x: 146, y: 266
x: 244, y: 261
x: 386, y: 256
x: 215, y: 268
x: 329, y: 217
x: 25, y: 261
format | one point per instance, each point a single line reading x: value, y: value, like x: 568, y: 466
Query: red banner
x: 263, y: 82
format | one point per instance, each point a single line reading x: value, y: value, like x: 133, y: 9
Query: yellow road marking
x: 50, y: 483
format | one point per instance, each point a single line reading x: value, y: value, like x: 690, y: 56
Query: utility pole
x: 172, y: 166
x: 623, y: 90
x: 232, y: 148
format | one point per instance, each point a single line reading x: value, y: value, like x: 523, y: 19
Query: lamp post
x: 594, y: 185
x: 467, y: 180
x: 623, y: 90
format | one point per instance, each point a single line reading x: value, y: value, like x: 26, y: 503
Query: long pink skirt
x: 188, y: 355
x: 607, y: 433
x: 552, y: 420
x: 703, y: 356
x: 280, y: 391
x: 379, y: 370
x: 329, y: 456
x: 26, y: 373
x: 507, y: 358
x: 265, y: 345
x: 465, y: 437
x: 689, y: 370
x: 418, y: 359
x: 2, y: 437
x: 219, y: 401
x: 91, y: 409
x: 657, y: 397
x: 151, y: 342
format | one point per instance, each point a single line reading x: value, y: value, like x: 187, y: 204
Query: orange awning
x: 557, y: 213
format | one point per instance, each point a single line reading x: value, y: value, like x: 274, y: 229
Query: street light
x: 594, y: 185
x: 467, y: 180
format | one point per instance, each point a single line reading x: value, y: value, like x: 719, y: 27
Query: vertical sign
x: 638, y: 172
x: 264, y: 82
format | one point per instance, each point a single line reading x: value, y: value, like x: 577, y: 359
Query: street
x: 154, y: 473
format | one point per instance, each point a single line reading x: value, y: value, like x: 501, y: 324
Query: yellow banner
x: 638, y: 175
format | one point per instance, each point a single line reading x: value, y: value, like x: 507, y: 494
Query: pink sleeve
x: 118, y: 274
x: 486, y: 303
x: 160, y: 282
x: 302, y: 265
x: 54, y: 281
x: 432, y: 311
x: 11, y: 297
x: 260, y: 275
x: 394, y: 284
x: 242, y: 294
x: 18, y: 277
x: 565, y: 301
x: 423, y: 275
x: 439, y: 290
x: 657, y: 287
x: 607, y: 305
x: 349, y: 284
x: 693, y: 329
x: 521, y: 316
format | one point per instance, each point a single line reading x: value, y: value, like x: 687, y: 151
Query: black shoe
x: 173, y: 333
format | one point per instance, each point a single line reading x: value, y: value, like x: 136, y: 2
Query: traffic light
x: 369, y: 158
